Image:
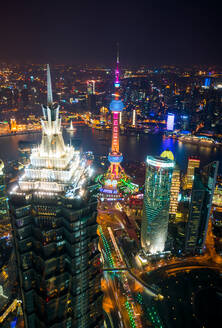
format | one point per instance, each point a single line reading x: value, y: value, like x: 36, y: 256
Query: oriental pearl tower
x: 115, y: 183
x: 115, y: 170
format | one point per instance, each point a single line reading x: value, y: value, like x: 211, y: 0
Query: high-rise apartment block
x: 156, y: 203
x: 53, y: 215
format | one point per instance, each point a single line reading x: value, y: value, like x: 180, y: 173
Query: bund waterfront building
x: 53, y: 215
x: 156, y: 203
x: 200, y: 207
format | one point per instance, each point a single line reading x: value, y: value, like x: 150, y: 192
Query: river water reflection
x: 132, y: 147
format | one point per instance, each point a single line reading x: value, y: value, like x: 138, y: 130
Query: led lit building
x: 192, y: 164
x: 91, y: 85
x: 13, y: 124
x: 174, y: 191
x: 115, y: 181
x: 53, y: 214
x: 156, y: 203
x: 200, y: 207
x: 134, y: 118
x: 3, y: 199
x: 170, y: 122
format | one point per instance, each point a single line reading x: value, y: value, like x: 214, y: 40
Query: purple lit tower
x: 115, y: 181
x: 116, y: 106
x: 117, y: 83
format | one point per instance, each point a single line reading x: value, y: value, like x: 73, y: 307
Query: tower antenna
x: 49, y: 87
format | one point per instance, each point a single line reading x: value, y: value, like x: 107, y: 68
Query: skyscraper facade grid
x: 200, y: 207
x: 156, y: 203
x: 53, y: 215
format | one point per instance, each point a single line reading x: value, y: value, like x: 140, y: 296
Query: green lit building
x: 53, y: 215
x: 156, y: 203
x: 4, y: 214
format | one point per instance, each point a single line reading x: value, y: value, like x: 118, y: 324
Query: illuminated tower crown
x: 52, y: 140
x: 116, y: 106
x: 52, y: 164
x: 116, y: 183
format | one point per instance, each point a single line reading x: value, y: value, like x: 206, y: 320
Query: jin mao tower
x: 53, y: 215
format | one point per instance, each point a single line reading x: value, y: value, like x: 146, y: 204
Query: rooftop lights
x: 159, y: 162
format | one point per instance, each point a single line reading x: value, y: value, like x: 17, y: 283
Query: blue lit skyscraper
x: 207, y: 82
x: 156, y: 203
x: 170, y: 122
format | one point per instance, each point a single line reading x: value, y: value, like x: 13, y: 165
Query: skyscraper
x: 192, y: 164
x: 200, y: 207
x: 156, y: 203
x: 134, y: 118
x: 53, y: 214
x: 170, y: 122
x: 91, y: 96
x: 3, y: 199
x: 174, y: 191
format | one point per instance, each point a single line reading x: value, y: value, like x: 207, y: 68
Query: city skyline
x: 96, y: 243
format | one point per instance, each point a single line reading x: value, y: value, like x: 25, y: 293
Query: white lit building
x: 54, y: 167
x: 53, y: 215
x: 156, y: 203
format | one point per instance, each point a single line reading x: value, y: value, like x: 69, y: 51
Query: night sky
x: 149, y: 32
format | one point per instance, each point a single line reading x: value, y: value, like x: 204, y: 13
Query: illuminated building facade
x: 53, y: 215
x: 156, y: 203
x: 170, y: 122
x: 134, y: 118
x: 174, y: 191
x: 192, y: 164
x: 91, y: 85
x: 3, y: 199
x: 13, y: 124
x: 200, y: 207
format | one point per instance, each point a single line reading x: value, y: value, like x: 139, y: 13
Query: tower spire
x: 117, y: 58
x: 49, y: 87
x: 117, y: 83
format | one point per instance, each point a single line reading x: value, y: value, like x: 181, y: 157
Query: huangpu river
x: 133, y: 147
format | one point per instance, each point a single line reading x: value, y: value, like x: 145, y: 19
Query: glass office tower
x: 53, y: 214
x: 156, y: 203
x: 200, y: 207
x: 4, y: 214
